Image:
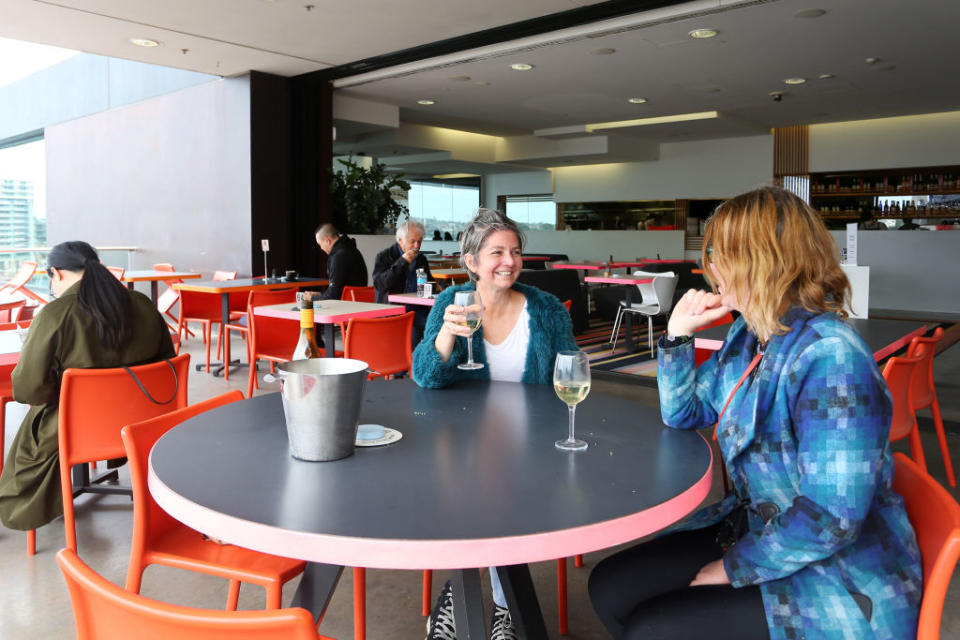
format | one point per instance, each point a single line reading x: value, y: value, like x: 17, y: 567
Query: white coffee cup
x: 427, y: 290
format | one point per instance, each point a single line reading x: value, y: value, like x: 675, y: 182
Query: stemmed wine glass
x: 474, y: 318
x: 571, y: 381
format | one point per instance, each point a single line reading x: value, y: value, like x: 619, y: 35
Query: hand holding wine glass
x: 469, y: 321
x: 571, y: 381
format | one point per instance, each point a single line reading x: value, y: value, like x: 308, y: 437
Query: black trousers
x: 643, y: 592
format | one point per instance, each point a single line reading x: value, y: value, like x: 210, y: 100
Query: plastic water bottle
x: 421, y: 281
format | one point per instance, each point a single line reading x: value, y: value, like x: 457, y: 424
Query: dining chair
x: 104, y: 611
x: 116, y: 271
x: 89, y: 427
x: 169, y: 297
x: 6, y: 395
x: 898, y: 372
x: 383, y: 343
x: 925, y: 392
x: 270, y: 339
x: 359, y: 294
x: 10, y: 311
x: 160, y: 539
x: 657, y: 299
x: 935, y: 517
x: 204, y: 308
x: 240, y: 323
x: 20, y: 279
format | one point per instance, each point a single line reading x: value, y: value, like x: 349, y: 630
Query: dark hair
x: 100, y: 294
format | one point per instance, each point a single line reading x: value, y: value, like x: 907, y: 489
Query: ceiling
x: 759, y: 44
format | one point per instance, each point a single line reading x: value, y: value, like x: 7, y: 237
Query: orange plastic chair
x: 270, y: 339
x: 104, y: 611
x: 160, y: 539
x: 6, y: 395
x: 383, y: 343
x: 935, y: 517
x: 898, y: 372
x: 10, y: 311
x: 117, y: 272
x: 220, y: 276
x: 89, y: 427
x: 359, y: 294
x: 20, y: 279
x: 925, y: 393
x: 196, y: 306
x: 169, y: 297
x: 568, y: 304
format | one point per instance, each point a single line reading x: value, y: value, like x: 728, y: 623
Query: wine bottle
x: 307, y: 344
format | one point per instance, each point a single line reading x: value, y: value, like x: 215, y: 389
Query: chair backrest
x: 898, y: 373
x: 96, y: 403
x: 104, y: 611
x: 359, y: 294
x: 13, y: 326
x: 219, y: 276
x: 10, y: 311
x: 272, y: 335
x: 568, y: 304
x: 659, y: 292
x: 26, y: 271
x: 163, y: 266
x: 116, y: 271
x: 167, y: 299
x: 383, y: 343
x: 935, y: 517
x: 149, y: 520
x: 197, y: 304
x: 923, y: 388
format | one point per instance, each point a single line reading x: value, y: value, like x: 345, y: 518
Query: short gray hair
x: 485, y: 222
x: 409, y: 224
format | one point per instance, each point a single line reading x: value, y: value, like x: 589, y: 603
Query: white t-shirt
x: 508, y: 359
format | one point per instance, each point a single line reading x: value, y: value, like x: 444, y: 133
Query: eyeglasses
x: 50, y: 272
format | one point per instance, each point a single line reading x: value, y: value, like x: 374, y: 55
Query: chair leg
x: 916, y: 448
x: 616, y: 323
x: 233, y: 595
x: 578, y: 561
x: 562, y: 596
x: 226, y: 367
x: 274, y: 595
x: 32, y: 542
x: 650, y: 334
x: 252, y: 378
x: 207, y: 330
x: 621, y: 311
x: 941, y: 438
x: 359, y: 603
x: 427, y: 588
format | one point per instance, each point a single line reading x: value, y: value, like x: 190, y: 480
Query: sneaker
x: 441, y: 625
x: 501, y: 624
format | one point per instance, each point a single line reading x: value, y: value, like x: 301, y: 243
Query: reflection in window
x: 537, y: 213
x: 446, y: 208
x: 23, y: 210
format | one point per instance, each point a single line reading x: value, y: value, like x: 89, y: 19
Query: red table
x: 331, y: 312
x: 617, y: 279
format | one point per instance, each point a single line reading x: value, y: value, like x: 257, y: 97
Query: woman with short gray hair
x: 523, y: 329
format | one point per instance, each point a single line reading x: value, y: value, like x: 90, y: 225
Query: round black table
x: 476, y: 481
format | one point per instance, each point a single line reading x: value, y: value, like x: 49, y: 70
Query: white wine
x: 472, y: 323
x: 573, y: 393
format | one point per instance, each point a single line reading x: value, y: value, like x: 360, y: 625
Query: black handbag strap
x: 176, y: 386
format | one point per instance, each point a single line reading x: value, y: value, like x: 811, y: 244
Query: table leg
x: 522, y: 602
x: 316, y: 588
x: 130, y: 286
x: 329, y: 337
x: 224, y: 321
x: 468, y: 605
x: 154, y: 291
x: 628, y: 323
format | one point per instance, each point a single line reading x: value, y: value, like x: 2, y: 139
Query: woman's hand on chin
x: 696, y: 309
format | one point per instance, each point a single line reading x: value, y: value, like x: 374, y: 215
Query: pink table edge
x: 612, y: 280
x: 141, y: 275
x: 436, y: 554
x: 404, y: 298
x: 321, y: 318
x: 616, y: 264
x: 587, y: 267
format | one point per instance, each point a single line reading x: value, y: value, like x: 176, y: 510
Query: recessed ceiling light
x: 794, y: 81
x: 809, y: 13
x: 700, y: 34
x: 636, y: 100
x: 521, y: 66
x: 426, y: 102
x: 872, y: 60
x: 143, y: 42
x: 460, y: 78
x: 825, y: 76
x: 604, y: 51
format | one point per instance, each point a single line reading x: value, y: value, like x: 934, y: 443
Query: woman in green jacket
x: 93, y: 323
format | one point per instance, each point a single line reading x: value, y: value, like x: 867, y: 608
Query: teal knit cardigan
x: 550, y: 332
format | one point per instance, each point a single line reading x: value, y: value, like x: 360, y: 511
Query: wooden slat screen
x: 791, y: 151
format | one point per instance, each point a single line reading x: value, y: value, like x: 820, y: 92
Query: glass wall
x: 443, y: 207
x: 23, y: 207
x: 538, y: 213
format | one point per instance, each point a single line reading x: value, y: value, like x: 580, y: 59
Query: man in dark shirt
x: 395, y: 271
x: 345, y: 266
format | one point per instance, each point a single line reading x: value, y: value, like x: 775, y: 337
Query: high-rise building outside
x: 19, y: 226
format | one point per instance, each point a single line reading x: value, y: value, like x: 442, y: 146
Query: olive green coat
x: 62, y: 336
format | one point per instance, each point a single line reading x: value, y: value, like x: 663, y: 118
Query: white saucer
x: 389, y: 437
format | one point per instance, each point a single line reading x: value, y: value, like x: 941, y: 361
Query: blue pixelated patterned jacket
x: 805, y: 440
x: 550, y: 332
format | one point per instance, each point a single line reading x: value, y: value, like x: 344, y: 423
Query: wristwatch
x: 675, y: 341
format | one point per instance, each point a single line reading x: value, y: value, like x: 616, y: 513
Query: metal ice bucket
x: 321, y: 403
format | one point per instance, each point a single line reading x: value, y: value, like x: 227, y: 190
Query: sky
x: 20, y: 59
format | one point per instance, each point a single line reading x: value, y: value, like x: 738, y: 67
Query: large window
x: 23, y: 208
x: 537, y: 213
x: 443, y: 207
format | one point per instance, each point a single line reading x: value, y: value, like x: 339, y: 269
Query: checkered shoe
x: 501, y: 624
x: 441, y: 625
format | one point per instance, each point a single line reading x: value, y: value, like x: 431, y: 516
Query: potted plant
x: 363, y: 201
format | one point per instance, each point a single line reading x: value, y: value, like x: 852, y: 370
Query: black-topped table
x: 882, y: 336
x: 476, y: 481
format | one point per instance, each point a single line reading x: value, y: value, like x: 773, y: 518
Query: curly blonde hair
x: 775, y: 253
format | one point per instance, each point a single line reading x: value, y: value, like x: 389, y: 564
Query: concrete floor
x: 34, y: 603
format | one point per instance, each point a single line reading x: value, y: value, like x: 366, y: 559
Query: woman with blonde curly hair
x: 812, y: 542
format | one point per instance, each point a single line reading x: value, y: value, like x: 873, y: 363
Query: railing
x: 12, y: 258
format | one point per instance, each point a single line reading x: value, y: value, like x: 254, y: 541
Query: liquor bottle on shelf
x: 307, y: 344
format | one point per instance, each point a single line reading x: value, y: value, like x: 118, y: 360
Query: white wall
x: 170, y: 175
x: 910, y: 141
x: 702, y: 169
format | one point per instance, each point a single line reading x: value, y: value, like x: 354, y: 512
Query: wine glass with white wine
x: 571, y: 381
x: 473, y: 320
